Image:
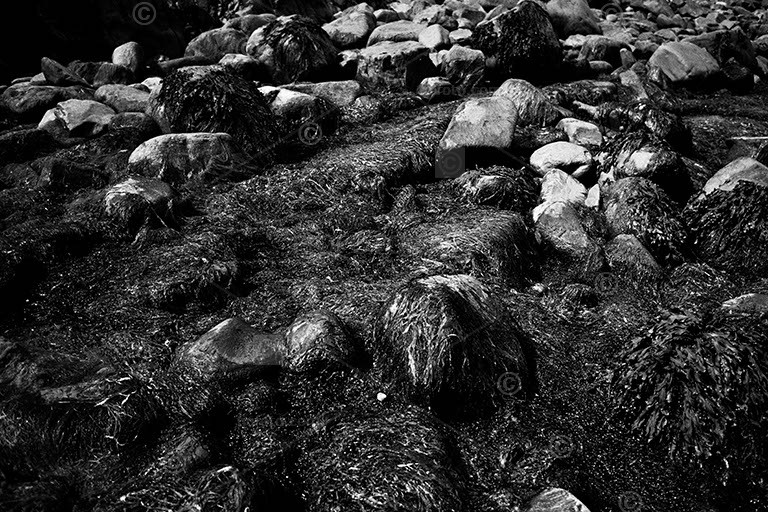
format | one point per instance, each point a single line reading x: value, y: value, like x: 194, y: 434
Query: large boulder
x: 523, y: 43
x: 602, y: 48
x: 684, y: 62
x: 446, y: 341
x: 294, y: 48
x: 302, y: 118
x: 212, y: 99
x: 216, y: 43
x: 571, y: 17
x: 341, y: 94
x: 533, y: 106
x: 396, y: 66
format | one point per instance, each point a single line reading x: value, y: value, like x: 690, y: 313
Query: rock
x: 294, y: 49
x: 396, y: 31
x: 212, y: 99
x: 593, y: 197
x: 56, y: 74
x: 751, y: 303
x: 683, y: 62
x: 562, y: 230
x: 601, y: 48
x: 317, y: 340
x: 555, y: 500
x: 435, y: 88
x: 637, y: 206
x: 581, y: 132
x: 231, y: 350
x: 455, y: 359
x: 480, y: 125
x: 741, y: 169
x: 386, y: 16
x: 571, y: 17
x: 433, y: 15
x: 215, y: 44
x: 133, y: 201
x: 179, y: 157
x: 644, y: 155
x: 130, y: 55
x: 101, y: 73
x: 136, y: 122
x: 724, y: 45
x: 753, y: 147
x: 341, y: 94
x: 32, y: 101
x: 499, y: 187
x: 461, y: 36
x: 245, y: 66
x: 464, y: 68
x: 352, y: 28
x: 625, y: 254
x: 80, y: 118
x: 566, y: 156
x: 302, y: 118
x: 123, y: 98
x: 533, y: 106
x: 394, y: 66
x: 592, y: 92
x: 523, y: 43
x: 434, y: 37
x: 250, y: 22
x: 558, y: 186
x: 738, y: 78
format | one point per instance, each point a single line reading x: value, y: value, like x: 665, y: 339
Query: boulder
x: 102, y: 73
x: 523, y: 43
x: 434, y: 37
x: 80, y: 118
x: 724, y: 45
x: 571, y: 17
x: 437, y: 88
x: 301, y: 118
x: 396, y: 66
x: 123, y: 98
x: 294, y: 48
x: 626, y: 255
x: 215, y: 44
x: 563, y: 231
x: 396, y: 31
x: 130, y: 55
x: 245, y: 66
x: 500, y: 187
x: 684, y: 62
x: 533, y: 106
x: 352, y: 28
x: 248, y: 23
x: 750, y: 303
x: 573, y: 159
x: 32, y: 101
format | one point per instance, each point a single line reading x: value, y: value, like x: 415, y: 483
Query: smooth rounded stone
x: 463, y: 67
x: 533, y: 106
x: 213, y: 99
x: 352, y: 28
x: 600, y: 67
x: 573, y: 159
x: 555, y: 500
x: 123, y: 98
x: 57, y: 74
x: 460, y: 36
x: 294, y: 48
x: 318, y: 340
x: 231, y: 350
x: 625, y: 253
x: 394, y: 66
x: 644, y: 155
x: 130, y: 55
x: 250, y: 22
x: 436, y: 88
x: 558, y: 186
x: 396, y: 31
x: 581, y: 132
x: 480, y: 124
x: 179, y: 157
x: 245, y: 66
x: 341, y: 94
x: 601, y: 48
x: 386, y: 15
x: 750, y: 303
x: 571, y: 17
x: 450, y: 361
x: 560, y: 227
x: 80, y: 118
x: 684, y: 62
x: 639, y: 207
x: 434, y: 37
x: 741, y: 169
x: 522, y: 42
x: 130, y: 201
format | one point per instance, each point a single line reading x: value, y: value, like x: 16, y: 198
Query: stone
x: 352, y: 28
x: 464, y: 67
x: 571, y: 17
x: 460, y: 36
x: 561, y: 229
x: 625, y: 253
x: 601, y: 48
x: 741, y: 169
x: 341, y: 94
x: 555, y: 500
x: 123, y: 98
x: 301, y: 117
x: 245, y: 66
x: 434, y: 37
x: 215, y: 44
x: 32, y: 101
x: 581, y: 132
x: 396, y: 31
x: 566, y: 156
x: 386, y: 16
x: 318, y: 340
x: 436, y: 88
x: 56, y: 74
x: 683, y: 62
x: 394, y: 66
x: 248, y: 23
x: 750, y: 303
x: 80, y: 118
x: 533, y: 106
x: 130, y: 201
x: 558, y: 186
x: 130, y: 55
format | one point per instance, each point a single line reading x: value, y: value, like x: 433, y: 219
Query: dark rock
x: 318, y: 340
x: 25, y: 144
x: 394, y: 66
x: 216, y: 43
x: 533, y: 106
x: 56, y: 74
x: 572, y: 17
x: 464, y: 67
x: 601, y: 48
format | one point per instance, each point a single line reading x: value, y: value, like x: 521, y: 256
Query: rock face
x: 446, y: 340
x: 684, y: 62
x: 294, y: 48
x: 523, y: 42
x: 212, y: 99
x: 393, y: 66
x: 571, y: 17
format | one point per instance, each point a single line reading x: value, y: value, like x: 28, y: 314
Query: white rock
x: 581, y: 132
x: 566, y: 156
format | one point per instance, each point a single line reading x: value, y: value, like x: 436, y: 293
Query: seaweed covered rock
x: 645, y: 115
x: 316, y: 340
x: 643, y: 155
x: 302, y: 118
x: 395, y: 66
x: 738, y: 170
x: 446, y: 341
x: 501, y: 187
x: 136, y: 201
x: 216, y: 43
x: 627, y: 256
x: 554, y: 500
x: 729, y: 227
x: 523, y: 42
x: 463, y: 67
x: 390, y: 460
x: 601, y: 48
x: 533, y: 106
x: 294, y: 48
x: 566, y: 231
x: 212, y: 99
x: 639, y: 207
